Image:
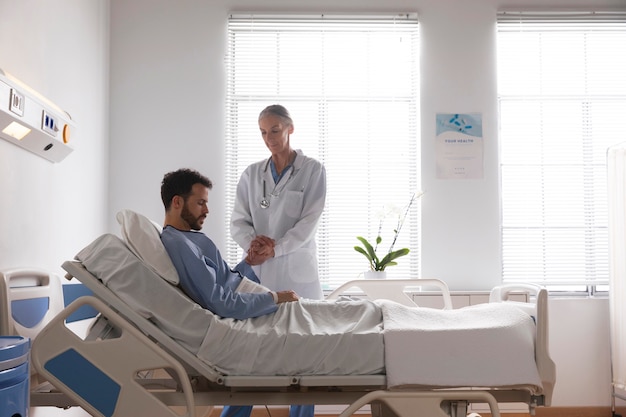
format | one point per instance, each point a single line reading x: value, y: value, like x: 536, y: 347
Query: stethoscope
x: 265, y: 203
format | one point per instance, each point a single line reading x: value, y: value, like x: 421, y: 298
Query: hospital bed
x: 138, y: 360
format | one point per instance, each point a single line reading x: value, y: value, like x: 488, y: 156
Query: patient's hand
x: 286, y: 296
x: 255, y: 258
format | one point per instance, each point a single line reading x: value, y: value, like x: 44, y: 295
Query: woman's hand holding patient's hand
x: 261, y: 249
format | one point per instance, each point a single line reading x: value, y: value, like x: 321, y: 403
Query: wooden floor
x: 572, y: 412
x: 540, y: 412
x: 568, y: 412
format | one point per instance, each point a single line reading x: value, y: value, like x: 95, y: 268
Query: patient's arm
x: 209, y: 282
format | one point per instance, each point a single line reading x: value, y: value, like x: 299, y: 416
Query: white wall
x: 50, y: 211
x: 579, y: 345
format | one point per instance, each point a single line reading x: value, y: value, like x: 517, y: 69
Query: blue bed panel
x: 86, y: 380
x: 70, y: 293
x: 30, y: 312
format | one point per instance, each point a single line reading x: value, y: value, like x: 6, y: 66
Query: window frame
x: 264, y: 22
x: 531, y: 23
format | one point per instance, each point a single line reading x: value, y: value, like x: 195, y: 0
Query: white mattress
x: 490, y: 346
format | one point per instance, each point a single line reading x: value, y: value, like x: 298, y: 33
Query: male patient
x: 204, y: 275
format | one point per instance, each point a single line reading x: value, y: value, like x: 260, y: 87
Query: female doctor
x: 278, y: 206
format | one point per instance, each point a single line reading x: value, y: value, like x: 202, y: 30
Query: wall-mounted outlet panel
x: 16, y: 105
x: 49, y: 123
x: 32, y: 122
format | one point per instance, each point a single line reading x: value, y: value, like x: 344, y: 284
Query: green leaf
x: 368, y: 247
x: 361, y: 250
x: 392, y: 263
x: 387, y: 260
x: 368, y: 252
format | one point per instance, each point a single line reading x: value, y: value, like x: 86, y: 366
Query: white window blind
x: 562, y: 101
x: 351, y: 86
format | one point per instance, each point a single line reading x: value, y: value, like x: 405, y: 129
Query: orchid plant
x: 369, y: 251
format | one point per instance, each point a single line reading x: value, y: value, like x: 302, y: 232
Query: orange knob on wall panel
x: 66, y: 133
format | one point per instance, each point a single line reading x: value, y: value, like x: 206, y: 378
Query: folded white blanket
x: 488, y: 345
x: 302, y: 338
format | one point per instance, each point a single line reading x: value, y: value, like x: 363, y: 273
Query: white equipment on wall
x: 29, y: 120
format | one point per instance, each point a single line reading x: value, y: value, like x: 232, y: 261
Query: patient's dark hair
x: 180, y: 183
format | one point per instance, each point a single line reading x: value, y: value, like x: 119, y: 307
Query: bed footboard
x: 101, y: 375
x: 539, y: 310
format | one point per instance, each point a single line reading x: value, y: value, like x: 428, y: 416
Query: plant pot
x: 370, y: 274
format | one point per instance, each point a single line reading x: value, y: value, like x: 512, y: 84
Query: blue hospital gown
x: 206, y: 278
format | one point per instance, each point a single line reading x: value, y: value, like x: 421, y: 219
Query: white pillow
x: 143, y: 237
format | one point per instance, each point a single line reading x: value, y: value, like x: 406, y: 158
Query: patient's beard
x: 194, y: 223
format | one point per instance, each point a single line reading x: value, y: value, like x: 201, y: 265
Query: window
x: 562, y: 100
x: 351, y: 86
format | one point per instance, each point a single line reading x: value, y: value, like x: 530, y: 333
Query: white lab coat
x: 296, y: 205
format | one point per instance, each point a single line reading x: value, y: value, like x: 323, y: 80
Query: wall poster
x: 459, y: 147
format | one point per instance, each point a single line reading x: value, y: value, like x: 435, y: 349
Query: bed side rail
x: 29, y: 298
x: 78, y: 271
x: 101, y: 375
x: 539, y: 310
x: 394, y: 289
x: 545, y: 364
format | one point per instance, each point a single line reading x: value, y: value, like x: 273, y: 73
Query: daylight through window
x: 562, y: 96
x: 351, y: 86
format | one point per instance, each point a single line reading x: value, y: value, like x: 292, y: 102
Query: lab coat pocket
x: 293, y: 203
